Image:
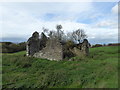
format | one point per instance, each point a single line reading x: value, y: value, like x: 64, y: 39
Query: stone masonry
x: 52, y: 48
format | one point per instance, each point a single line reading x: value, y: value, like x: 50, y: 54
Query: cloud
x: 20, y: 20
x: 107, y: 24
x: 23, y: 18
x: 14, y: 39
x: 58, y: 0
x: 46, y: 0
x: 115, y: 9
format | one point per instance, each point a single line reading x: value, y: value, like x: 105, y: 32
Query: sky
x: 18, y: 20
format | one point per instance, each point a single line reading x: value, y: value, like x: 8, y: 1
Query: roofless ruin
x: 52, y: 47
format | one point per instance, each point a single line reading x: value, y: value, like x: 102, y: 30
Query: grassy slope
x: 99, y: 70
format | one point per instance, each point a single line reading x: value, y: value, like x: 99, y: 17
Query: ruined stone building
x: 52, y: 48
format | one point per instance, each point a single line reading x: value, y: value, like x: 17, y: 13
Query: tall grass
x: 98, y: 70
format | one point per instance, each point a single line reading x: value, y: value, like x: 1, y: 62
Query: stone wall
x: 33, y: 44
x: 85, y: 47
x: 51, y: 48
x: 52, y: 51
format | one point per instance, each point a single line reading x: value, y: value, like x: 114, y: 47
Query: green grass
x: 98, y: 70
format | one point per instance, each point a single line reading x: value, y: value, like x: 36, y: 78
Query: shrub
x: 69, y: 44
x: 97, y: 45
x: 9, y: 47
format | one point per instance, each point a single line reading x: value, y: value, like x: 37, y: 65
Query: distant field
x: 98, y: 70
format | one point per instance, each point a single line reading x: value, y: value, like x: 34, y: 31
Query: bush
x: 9, y: 47
x: 69, y: 44
x: 68, y: 54
x: 97, y: 45
x: 113, y: 44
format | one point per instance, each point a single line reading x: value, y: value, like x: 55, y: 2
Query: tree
x: 54, y: 34
x: 69, y: 36
x: 60, y: 33
x: 79, y: 35
x: 45, y: 30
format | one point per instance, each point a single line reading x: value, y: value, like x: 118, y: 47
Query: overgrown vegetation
x: 77, y: 36
x: 98, y: 70
x: 9, y: 47
x: 110, y: 44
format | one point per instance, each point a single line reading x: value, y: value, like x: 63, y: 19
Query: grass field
x: 98, y: 70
